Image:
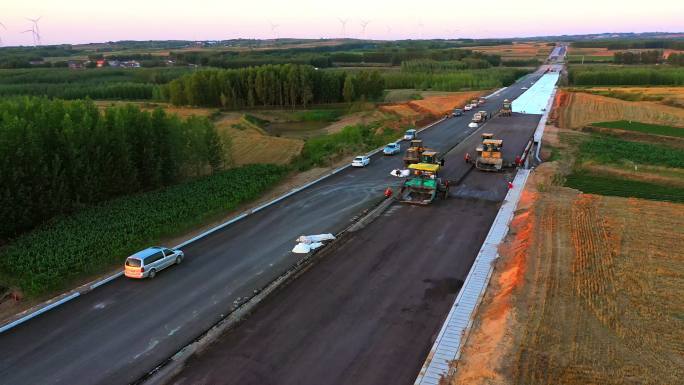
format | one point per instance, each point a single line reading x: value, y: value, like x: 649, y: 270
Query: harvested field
x: 578, y: 109
x: 601, y: 295
x: 671, y: 96
x: 182, y: 112
x: 252, y: 145
x: 517, y: 50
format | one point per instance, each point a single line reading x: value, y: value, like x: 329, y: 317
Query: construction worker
x: 467, y: 157
x: 518, y: 160
x: 510, y: 185
x: 388, y: 192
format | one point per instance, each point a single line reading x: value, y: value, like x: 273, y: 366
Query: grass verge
x: 93, y: 240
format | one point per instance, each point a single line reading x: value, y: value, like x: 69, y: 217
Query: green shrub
x: 322, y: 150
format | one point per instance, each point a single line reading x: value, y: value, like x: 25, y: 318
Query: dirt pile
x: 578, y: 109
x: 420, y: 111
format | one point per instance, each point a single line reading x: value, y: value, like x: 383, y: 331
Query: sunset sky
x: 80, y: 21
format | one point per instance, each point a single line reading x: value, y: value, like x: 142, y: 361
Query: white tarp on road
x: 308, y: 243
x: 535, y: 100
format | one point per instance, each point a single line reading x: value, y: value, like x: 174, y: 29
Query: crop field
x: 609, y: 299
x: 65, y: 250
x: 670, y: 96
x: 655, y: 129
x: 591, y: 183
x: 578, y: 109
x: 594, y: 298
x: 604, y: 149
x: 517, y: 50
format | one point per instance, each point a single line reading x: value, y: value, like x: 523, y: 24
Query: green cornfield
x: 605, y: 185
x: 96, y: 239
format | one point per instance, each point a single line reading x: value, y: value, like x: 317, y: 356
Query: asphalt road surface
x: 122, y: 330
x: 370, y: 310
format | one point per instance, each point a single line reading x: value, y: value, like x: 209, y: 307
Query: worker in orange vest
x: 388, y: 192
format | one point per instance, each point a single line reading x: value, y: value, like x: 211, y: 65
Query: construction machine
x: 414, y: 152
x: 424, y: 185
x: 506, y: 109
x: 431, y: 157
x: 489, y: 154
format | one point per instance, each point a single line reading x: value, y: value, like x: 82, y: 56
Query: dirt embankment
x: 436, y: 106
x: 577, y: 109
x: 588, y: 290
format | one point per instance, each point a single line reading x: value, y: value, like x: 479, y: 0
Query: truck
x: 480, y: 117
x: 424, y: 185
x: 506, y: 108
x: 489, y: 154
x: 431, y: 157
x: 414, y: 152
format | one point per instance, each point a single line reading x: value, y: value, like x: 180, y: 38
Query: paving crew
x: 388, y: 192
x: 518, y: 160
x: 467, y: 157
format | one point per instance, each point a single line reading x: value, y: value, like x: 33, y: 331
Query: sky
x: 82, y: 21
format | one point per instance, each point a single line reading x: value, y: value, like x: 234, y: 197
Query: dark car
x: 457, y: 112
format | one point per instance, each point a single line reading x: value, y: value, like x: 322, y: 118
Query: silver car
x: 148, y: 262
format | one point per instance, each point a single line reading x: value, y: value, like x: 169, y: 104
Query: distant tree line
x: 639, y: 57
x: 676, y: 59
x: 603, y: 76
x: 434, y: 66
x: 56, y: 156
x: 288, y: 85
x: 391, y: 56
x: 533, y: 62
x: 676, y: 44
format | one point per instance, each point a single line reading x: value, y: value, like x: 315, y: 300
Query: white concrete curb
x: 59, y: 300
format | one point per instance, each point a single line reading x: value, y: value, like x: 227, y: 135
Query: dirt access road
x: 369, y: 311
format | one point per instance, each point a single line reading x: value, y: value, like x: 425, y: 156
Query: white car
x: 524, y: 88
x: 472, y: 125
x: 361, y: 161
x: 468, y: 107
x: 410, y: 134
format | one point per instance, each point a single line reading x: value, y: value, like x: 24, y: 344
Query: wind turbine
x: 420, y: 26
x: 3, y: 27
x: 35, y: 30
x: 274, y: 29
x: 33, y: 34
x: 343, y: 22
x: 451, y: 33
x: 364, y: 24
